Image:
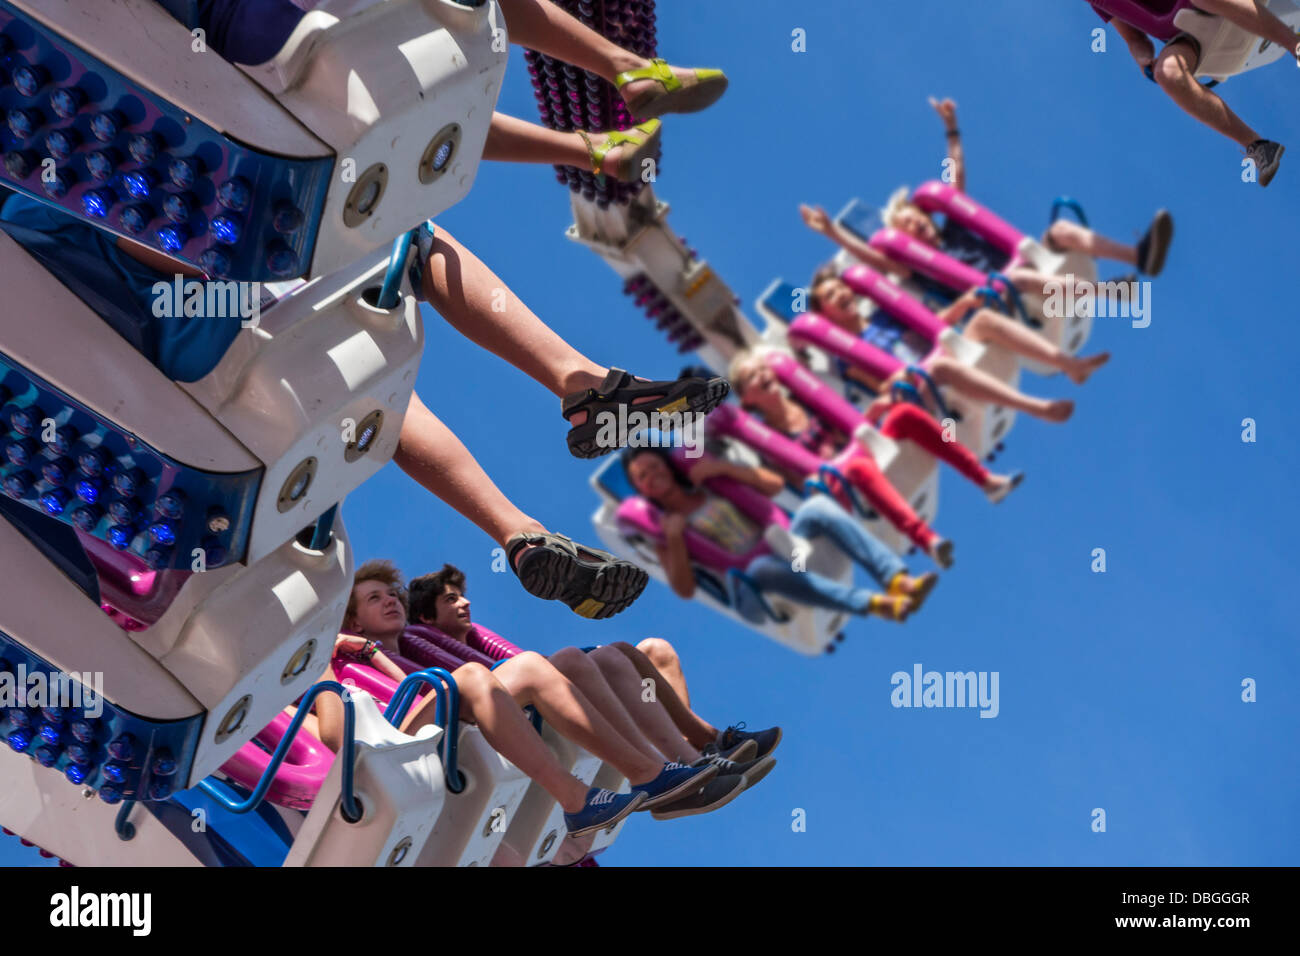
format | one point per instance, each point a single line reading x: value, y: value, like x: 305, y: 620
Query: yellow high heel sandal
x: 628, y: 168
x: 698, y: 91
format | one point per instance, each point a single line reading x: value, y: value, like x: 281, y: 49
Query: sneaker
x: 718, y: 792
x: 604, y: 809
x: 1265, y: 154
x: 752, y: 770
x: 1152, y: 247
x: 766, y: 739
x: 1001, y: 491
x: 675, y: 780
x: 740, y: 751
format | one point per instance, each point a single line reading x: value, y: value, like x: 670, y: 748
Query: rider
x: 1174, y: 69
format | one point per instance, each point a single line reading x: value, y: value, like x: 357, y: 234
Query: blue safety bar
x: 446, y: 714
x: 390, y: 294
x: 924, y: 376
x: 351, y: 809
x: 1017, y: 303
x: 1061, y: 203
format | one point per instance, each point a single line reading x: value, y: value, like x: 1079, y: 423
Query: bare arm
x: 675, y: 559
x: 816, y: 219
x: 956, y: 163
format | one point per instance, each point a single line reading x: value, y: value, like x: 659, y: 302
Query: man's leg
x: 644, y: 710
x: 589, y: 678
x: 657, y: 660
x: 1175, y: 71
x: 487, y: 703
x: 532, y: 679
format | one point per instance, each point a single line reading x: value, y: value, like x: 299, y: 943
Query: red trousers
x: 906, y: 422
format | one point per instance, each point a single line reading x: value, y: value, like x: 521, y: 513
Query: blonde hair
x: 899, y: 201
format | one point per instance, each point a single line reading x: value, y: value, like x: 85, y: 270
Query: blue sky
x: 1119, y: 690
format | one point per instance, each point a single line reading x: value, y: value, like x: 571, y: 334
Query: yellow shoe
x: 642, y: 142
x: 698, y: 91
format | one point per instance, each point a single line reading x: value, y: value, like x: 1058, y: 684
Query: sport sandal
x: 673, y: 400
x: 593, y: 583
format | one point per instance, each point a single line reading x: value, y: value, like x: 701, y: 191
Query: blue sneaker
x: 675, y: 780
x: 604, y: 809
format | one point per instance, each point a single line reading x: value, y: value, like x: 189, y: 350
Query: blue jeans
x: 820, y: 517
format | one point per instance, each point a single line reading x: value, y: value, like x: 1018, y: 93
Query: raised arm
x: 816, y: 219
x: 956, y: 162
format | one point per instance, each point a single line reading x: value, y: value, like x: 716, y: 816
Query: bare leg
x: 645, y: 710
x: 587, y: 676
x: 1174, y: 71
x: 431, y: 453
x: 481, y: 307
x: 1072, y: 237
x: 982, y: 387
x: 329, y: 716
x: 532, y: 679
x: 987, y: 326
x: 1254, y: 18
x: 544, y: 27
x: 512, y: 140
x: 656, y: 659
x: 487, y: 703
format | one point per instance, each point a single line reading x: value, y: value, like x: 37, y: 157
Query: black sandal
x: 593, y: 583
x: 686, y: 396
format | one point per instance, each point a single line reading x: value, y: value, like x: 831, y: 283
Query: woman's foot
x: 918, y: 589
x: 892, y: 607
x: 999, y: 486
x: 1056, y: 411
x: 940, y: 551
x: 658, y: 88
x: 622, y: 154
x: 1079, y: 370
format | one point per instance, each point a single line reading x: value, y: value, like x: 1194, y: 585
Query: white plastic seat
x: 1226, y: 49
x: 473, y: 822
x: 398, y: 781
x: 536, y: 830
x: 1066, y: 332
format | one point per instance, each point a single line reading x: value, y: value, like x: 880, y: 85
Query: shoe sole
x: 687, y: 99
x: 632, y: 806
x: 756, y: 773
x: 1159, y: 248
x: 736, y: 791
x: 743, y: 752
x: 705, y: 776
x: 630, y: 172
x: 610, y: 589
x: 1266, y: 175
x: 700, y: 404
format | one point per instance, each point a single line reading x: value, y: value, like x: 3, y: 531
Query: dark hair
x: 663, y: 455
x: 828, y: 271
x: 426, y: 589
